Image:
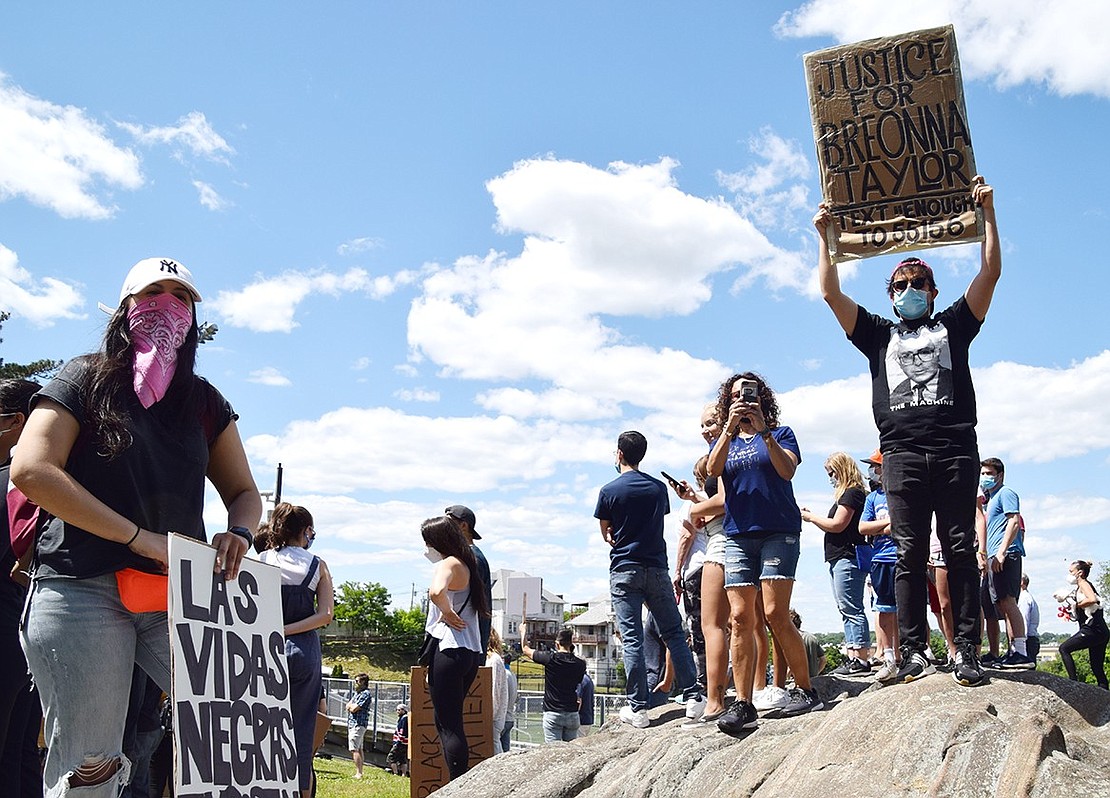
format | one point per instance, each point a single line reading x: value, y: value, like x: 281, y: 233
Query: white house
x: 514, y: 593
x: 596, y: 642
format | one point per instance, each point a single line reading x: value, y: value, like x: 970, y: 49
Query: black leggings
x: 1092, y: 636
x: 449, y: 679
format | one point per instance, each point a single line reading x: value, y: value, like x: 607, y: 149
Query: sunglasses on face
x: 917, y: 283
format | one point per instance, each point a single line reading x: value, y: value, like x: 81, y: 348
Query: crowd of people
x: 115, y: 451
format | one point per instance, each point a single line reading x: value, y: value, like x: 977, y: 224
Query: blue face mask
x: 911, y: 304
x: 987, y: 483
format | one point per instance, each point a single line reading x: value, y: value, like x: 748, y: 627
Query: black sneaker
x: 1014, y: 661
x: 992, y: 661
x: 801, y: 702
x: 968, y: 671
x: 852, y: 667
x: 914, y: 666
x: 738, y: 718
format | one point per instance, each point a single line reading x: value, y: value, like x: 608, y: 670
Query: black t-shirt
x: 563, y: 673
x: 156, y: 482
x: 921, y: 391
x: 842, y: 546
x: 634, y: 503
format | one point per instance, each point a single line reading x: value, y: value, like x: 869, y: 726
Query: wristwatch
x: 242, y: 532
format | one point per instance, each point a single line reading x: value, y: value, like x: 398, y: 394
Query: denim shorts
x: 882, y: 582
x: 715, y: 549
x: 752, y: 558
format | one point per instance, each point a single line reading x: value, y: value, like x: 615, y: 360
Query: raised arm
x: 981, y: 290
x: 843, y: 306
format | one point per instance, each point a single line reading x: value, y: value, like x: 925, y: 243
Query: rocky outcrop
x: 1021, y: 735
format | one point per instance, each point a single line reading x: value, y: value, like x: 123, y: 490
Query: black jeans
x: 1092, y: 636
x: 691, y: 602
x: 449, y: 677
x: 919, y: 486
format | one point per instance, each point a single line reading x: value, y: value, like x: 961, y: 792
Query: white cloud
x: 361, y: 364
x: 384, y: 449
x: 269, y: 304
x: 269, y: 375
x: 561, y: 404
x: 765, y: 192
x: 41, y: 302
x: 192, y: 133
x: 1052, y: 42
x: 57, y: 157
x: 209, y: 197
x: 356, y: 245
x: 416, y: 395
x: 621, y: 241
x: 1061, y: 398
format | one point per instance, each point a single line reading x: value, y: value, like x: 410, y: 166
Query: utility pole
x: 412, y: 597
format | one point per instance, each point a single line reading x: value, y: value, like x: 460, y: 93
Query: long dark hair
x: 111, y: 379
x: 287, y: 523
x: 444, y: 535
x: 767, y: 401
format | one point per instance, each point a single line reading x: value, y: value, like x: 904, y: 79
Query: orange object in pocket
x: 143, y: 592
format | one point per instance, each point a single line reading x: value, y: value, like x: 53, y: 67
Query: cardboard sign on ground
x: 893, y: 144
x: 232, y: 731
x: 427, y: 770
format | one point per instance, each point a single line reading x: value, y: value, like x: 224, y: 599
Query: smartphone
x: 749, y: 391
x: 674, y: 482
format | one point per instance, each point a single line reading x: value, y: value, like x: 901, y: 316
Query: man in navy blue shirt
x: 630, y: 510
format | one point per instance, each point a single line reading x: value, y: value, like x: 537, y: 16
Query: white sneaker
x: 770, y: 697
x: 695, y: 708
x: 887, y: 672
x: 636, y: 719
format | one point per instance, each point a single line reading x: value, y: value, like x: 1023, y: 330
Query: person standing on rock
x: 929, y: 447
x: 756, y: 458
x: 1093, y: 634
x: 630, y: 511
x: 1002, y: 548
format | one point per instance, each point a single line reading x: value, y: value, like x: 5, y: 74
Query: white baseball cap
x: 151, y: 270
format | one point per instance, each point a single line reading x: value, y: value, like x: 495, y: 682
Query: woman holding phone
x: 756, y: 458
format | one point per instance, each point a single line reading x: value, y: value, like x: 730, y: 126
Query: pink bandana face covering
x: 158, y: 328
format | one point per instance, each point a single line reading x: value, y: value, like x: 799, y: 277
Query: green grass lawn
x: 335, y: 778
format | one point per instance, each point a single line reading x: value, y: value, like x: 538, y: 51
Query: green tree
x: 363, y: 606
x: 37, y: 370
x: 1102, y: 581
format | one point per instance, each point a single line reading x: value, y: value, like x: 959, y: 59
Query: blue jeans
x: 560, y: 726
x: 630, y: 589
x: 82, y: 644
x: 847, y: 584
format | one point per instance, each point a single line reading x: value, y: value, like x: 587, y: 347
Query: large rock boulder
x: 1021, y: 735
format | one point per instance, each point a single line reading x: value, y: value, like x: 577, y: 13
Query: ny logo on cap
x: 168, y: 266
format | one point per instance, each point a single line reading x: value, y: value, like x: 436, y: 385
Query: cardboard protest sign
x: 232, y: 730
x: 893, y: 144
x: 427, y: 770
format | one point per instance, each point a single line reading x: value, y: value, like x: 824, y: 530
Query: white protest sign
x: 232, y: 730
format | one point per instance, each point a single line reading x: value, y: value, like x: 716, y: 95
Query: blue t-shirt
x: 1002, y: 502
x: 361, y: 716
x: 874, y: 509
x: 757, y: 499
x: 634, y: 504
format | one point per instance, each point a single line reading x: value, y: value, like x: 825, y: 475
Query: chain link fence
x: 385, y: 696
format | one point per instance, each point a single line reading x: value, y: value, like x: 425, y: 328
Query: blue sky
x: 454, y: 250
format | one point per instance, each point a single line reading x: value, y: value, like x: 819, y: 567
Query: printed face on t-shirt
x: 919, y: 367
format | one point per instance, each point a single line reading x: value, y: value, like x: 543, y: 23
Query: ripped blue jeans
x: 753, y: 557
x: 82, y: 645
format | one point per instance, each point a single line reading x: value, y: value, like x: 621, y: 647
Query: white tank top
x: 470, y: 637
